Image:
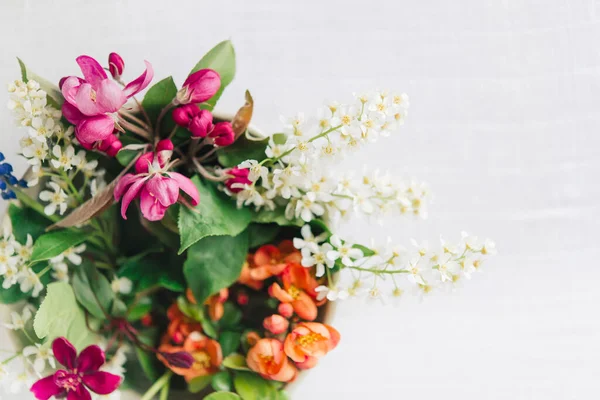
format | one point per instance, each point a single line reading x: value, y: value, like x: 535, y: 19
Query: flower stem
x: 164, y: 393
x: 158, y: 385
x: 320, y: 135
x: 162, y: 114
x: 379, y: 272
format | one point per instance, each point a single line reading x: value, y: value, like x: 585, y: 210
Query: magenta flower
x: 222, y: 134
x: 81, y: 374
x: 92, y: 103
x: 156, y: 186
x: 239, y: 177
x: 197, y: 121
x: 199, y: 87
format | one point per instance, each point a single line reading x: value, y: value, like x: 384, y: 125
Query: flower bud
x: 183, y: 115
x: 201, y: 124
x: 177, y: 337
x: 199, y: 87
x: 165, y: 145
x: 111, y: 145
x: 276, y: 324
x: 286, y: 310
x: 142, y: 163
x: 239, y: 176
x: 147, y: 320
x: 116, y: 65
x: 242, y: 299
x: 223, y: 134
x: 252, y: 338
x: 180, y: 359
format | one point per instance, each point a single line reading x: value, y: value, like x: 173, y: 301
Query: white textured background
x: 504, y: 125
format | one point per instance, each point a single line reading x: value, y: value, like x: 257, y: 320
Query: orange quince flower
x: 269, y: 360
x: 309, y: 341
x: 302, y: 303
x: 206, y: 353
x: 180, y: 325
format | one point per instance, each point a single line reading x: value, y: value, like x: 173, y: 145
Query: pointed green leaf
x: 55, y: 243
x: 220, y: 58
x: 53, y: 93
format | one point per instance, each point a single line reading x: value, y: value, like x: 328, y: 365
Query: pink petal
x: 64, y: 352
x: 90, y: 359
x: 141, y: 82
x: 123, y: 184
x: 92, y: 70
x: 131, y: 193
x: 110, y: 97
x: 93, y: 129
x: 102, y: 382
x: 70, y: 87
x: 143, y: 163
x: 202, y: 85
x: 164, y: 189
x: 81, y: 393
x: 71, y: 113
x: 151, y: 208
x: 85, y: 100
x: 45, y: 388
x: 187, y: 186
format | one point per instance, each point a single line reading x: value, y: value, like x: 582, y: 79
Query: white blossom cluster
x: 15, y: 268
x: 49, y: 149
x: 295, y: 174
x: 389, y: 271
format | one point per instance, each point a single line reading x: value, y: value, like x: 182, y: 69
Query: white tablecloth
x: 504, y: 125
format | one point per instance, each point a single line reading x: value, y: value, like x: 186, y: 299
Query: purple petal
x: 71, y: 113
x: 64, y: 352
x: 90, y: 359
x: 152, y: 210
x: 141, y: 82
x: 92, y: 70
x: 110, y: 97
x: 165, y: 190
x: 131, y: 194
x: 94, y: 129
x: 81, y: 393
x: 102, y: 382
x: 187, y: 186
x: 70, y: 87
x: 45, y: 388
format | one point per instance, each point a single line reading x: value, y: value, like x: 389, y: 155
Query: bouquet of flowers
x: 158, y: 246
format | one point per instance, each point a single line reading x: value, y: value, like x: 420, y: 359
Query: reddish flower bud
x: 116, y: 65
x: 276, y: 324
x: 111, y: 145
x: 178, y: 337
x: 180, y: 359
x: 165, y: 144
x: 286, y: 310
x: 239, y: 176
x: 201, y: 124
x: 223, y: 134
x: 199, y: 87
x: 252, y: 338
x: 242, y: 298
x: 183, y: 115
x: 147, y: 320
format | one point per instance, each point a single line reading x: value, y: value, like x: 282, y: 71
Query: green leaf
x: 229, y: 341
x: 220, y: 58
x: 59, y: 315
x: 126, y: 156
x: 236, y: 362
x: 197, y: 313
x: 55, y: 243
x: 215, y: 263
x: 158, y: 97
x: 199, y: 383
x: 92, y: 290
x: 216, y: 215
x: 222, y: 396
x: 221, y: 382
x: 149, y: 272
x: 140, y: 309
x: 242, y: 150
x: 231, y: 316
x: 26, y: 221
x: 12, y: 295
x: 260, y: 234
x: 276, y: 216
x: 252, y: 387
x: 53, y: 93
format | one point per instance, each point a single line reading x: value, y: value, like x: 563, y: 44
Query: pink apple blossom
x: 156, y: 186
x: 92, y: 102
x: 197, y: 121
x: 116, y: 65
x: 199, y: 87
x: 238, y: 176
x: 222, y: 134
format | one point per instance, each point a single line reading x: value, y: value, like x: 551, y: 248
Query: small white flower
x: 23, y: 251
x: 332, y: 294
x: 57, y: 199
x: 343, y: 251
x: 72, y: 254
x: 308, y: 239
x: 29, y: 280
x: 317, y: 258
x: 121, y: 285
x: 61, y: 272
x: 11, y: 277
x: 43, y: 354
x: 41, y: 128
x: 66, y: 159
x: 376, y: 295
x: 7, y: 262
x: 20, y: 382
x: 18, y: 321
x: 489, y: 248
x: 36, y: 153
x: 256, y: 170
x: 447, y: 268
x: 414, y: 272
x: 307, y: 207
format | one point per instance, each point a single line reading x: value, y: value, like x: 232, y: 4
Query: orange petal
x: 305, y: 307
